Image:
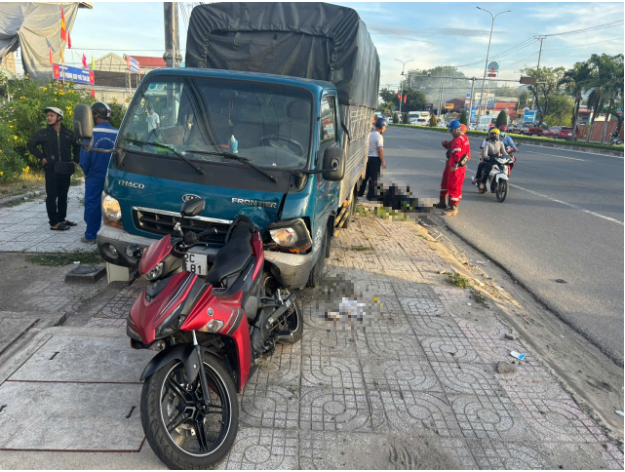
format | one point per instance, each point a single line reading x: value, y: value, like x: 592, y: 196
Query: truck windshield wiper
x: 236, y: 157
x: 165, y: 146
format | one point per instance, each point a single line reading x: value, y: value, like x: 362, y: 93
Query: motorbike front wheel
x: 181, y: 430
x: 502, y: 191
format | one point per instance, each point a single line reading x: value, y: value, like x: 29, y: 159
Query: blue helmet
x: 454, y: 124
x: 381, y: 123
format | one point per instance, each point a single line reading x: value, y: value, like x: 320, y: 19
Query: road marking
x: 542, y: 195
x: 555, y: 155
x: 571, y: 150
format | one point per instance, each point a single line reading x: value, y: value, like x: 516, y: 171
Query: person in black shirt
x: 59, y: 153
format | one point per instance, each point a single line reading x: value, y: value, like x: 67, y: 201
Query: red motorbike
x: 210, y: 333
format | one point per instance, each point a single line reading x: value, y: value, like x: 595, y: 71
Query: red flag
x: 405, y: 97
x: 399, y: 96
x: 51, y: 56
x: 93, y: 93
x: 84, y: 61
x: 63, y: 29
x: 69, y: 41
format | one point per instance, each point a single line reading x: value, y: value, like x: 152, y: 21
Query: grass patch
x: 459, y: 280
x: 362, y: 248
x: 360, y: 210
x: 64, y: 258
x: 478, y: 297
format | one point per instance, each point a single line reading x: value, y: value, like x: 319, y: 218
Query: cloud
x: 432, y: 32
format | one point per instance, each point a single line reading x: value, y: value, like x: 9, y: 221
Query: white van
x: 485, y: 122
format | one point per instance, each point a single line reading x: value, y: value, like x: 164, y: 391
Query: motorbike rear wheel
x: 294, y: 324
x: 180, y: 430
x: 502, y: 191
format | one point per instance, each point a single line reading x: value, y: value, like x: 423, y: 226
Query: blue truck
x: 269, y: 118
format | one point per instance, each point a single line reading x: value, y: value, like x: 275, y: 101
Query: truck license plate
x: 196, y: 263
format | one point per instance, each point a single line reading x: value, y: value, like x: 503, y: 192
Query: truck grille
x: 162, y: 223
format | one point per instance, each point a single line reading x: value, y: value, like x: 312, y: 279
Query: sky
x: 428, y: 34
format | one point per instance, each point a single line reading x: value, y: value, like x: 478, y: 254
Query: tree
x: 117, y: 113
x: 610, y: 73
x: 502, y: 119
x: 405, y: 118
x: 576, y: 81
x: 388, y: 95
x: 548, y: 79
x: 433, y: 121
x: 395, y: 118
x: 560, y: 110
x: 523, y: 96
x: 464, y: 118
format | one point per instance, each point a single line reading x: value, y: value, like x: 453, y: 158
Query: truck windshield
x: 268, y: 125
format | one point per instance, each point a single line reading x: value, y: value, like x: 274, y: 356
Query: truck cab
x: 249, y: 144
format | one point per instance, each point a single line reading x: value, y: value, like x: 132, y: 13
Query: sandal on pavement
x: 59, y: 227
x: 69, y: 223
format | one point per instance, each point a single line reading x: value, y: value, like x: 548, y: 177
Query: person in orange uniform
x: 458, y: 154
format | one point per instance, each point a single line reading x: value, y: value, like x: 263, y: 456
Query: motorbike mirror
x: 193, y: 207
x: 83, y: 122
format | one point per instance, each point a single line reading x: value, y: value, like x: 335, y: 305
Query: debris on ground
x: 517, y: 355
x: 509, y: 337
x: 504, y: 367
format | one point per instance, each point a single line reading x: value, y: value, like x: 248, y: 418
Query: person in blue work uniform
x: 95, y: 165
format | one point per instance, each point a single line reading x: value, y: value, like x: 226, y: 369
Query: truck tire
x: 317, y: 271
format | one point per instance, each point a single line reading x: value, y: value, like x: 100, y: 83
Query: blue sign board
x: 72, y: 74
x: 473, y: 112
x: 133, y: 65
x: 529, y: 115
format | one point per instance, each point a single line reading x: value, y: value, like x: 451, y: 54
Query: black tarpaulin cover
x: 309, y: 40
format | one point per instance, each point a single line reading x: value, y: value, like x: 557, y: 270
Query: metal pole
x: 471, y: 101
x: 401, y: 98
x: 540, y: 51
x: 492, y: 26
x: 403, y: 67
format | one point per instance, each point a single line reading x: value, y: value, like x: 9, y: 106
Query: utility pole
x: 440, y: 103
x: 471, y: 99
x: 492, y: 26
x: 172, y: 38
x: 540, y: 51
x: 403, y: 67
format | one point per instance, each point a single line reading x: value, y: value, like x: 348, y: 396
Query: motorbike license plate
x: 196, y: 263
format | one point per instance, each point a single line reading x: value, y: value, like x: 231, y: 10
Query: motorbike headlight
x: 291, y: 236
x: 111, y: 209
x: 154, y: 273
x: 212, y: 326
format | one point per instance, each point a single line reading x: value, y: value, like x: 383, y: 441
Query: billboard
x: 133, y: 65
x: 73, y: 74
x: 493, y: 69
x: 473, y: 112
x: 530, y: 115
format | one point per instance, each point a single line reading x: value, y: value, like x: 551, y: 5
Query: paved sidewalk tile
x: 25, y: 227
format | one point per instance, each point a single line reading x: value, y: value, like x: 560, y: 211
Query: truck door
x: 326, y: 192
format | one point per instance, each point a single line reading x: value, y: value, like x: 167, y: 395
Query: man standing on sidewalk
x: 375, y: 160
x: 59, y: 155
x: 95, y: 165
x: 153, y: 122
x: 442, y: 204
x: 458, y: 154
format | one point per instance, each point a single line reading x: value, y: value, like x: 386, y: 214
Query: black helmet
x: 102, y: 110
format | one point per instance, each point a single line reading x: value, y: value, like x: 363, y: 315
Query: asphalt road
x: 563, y: 219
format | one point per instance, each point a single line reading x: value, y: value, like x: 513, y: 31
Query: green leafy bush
x: 118, y: 111
x: 22, y: 111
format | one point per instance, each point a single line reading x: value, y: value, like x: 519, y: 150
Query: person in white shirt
x: 153, y: 121
x: 375, y: 161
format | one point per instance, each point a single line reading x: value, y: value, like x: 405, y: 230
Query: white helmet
x: 56, y: 110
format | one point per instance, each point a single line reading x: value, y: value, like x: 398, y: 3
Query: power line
x: 513, y: 49
x: 590, y: 28
x: 583, y: 45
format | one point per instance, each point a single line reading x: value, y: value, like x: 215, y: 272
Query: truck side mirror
x: 83, y: 122
x: 193, y: 207
x: 334, y: 164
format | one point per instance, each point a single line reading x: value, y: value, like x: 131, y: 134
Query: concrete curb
x: 588, y: 150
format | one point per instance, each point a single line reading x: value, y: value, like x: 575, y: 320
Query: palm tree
x: 576, y: 81
x: 608, y: 83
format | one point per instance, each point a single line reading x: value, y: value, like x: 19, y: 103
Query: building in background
x: 115, y: 63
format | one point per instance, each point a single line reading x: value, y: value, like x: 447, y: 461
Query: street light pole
x: 403, y: 67
x: 492, y: 26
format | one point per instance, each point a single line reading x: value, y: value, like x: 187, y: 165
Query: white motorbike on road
x: 499, y: 175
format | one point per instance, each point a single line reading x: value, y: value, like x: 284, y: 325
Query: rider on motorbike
x: 491, y: 148
x: 508, y: 143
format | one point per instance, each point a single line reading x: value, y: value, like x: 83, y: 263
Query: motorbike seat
x: 232, y: 258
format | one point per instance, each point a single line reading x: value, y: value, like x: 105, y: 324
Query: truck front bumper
x: 113, y: 242
x: 291, y: 270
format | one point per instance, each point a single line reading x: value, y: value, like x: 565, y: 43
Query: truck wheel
x: 317, y: 271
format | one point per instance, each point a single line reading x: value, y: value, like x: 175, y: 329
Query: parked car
x: 472, y: 126
x: 559, y: 132
x: 421, y: 122
x: 534, y: 130
x: 522, y: 127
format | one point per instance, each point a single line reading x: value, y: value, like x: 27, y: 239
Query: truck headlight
x: 291, y: 235
x: 112, y: 212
